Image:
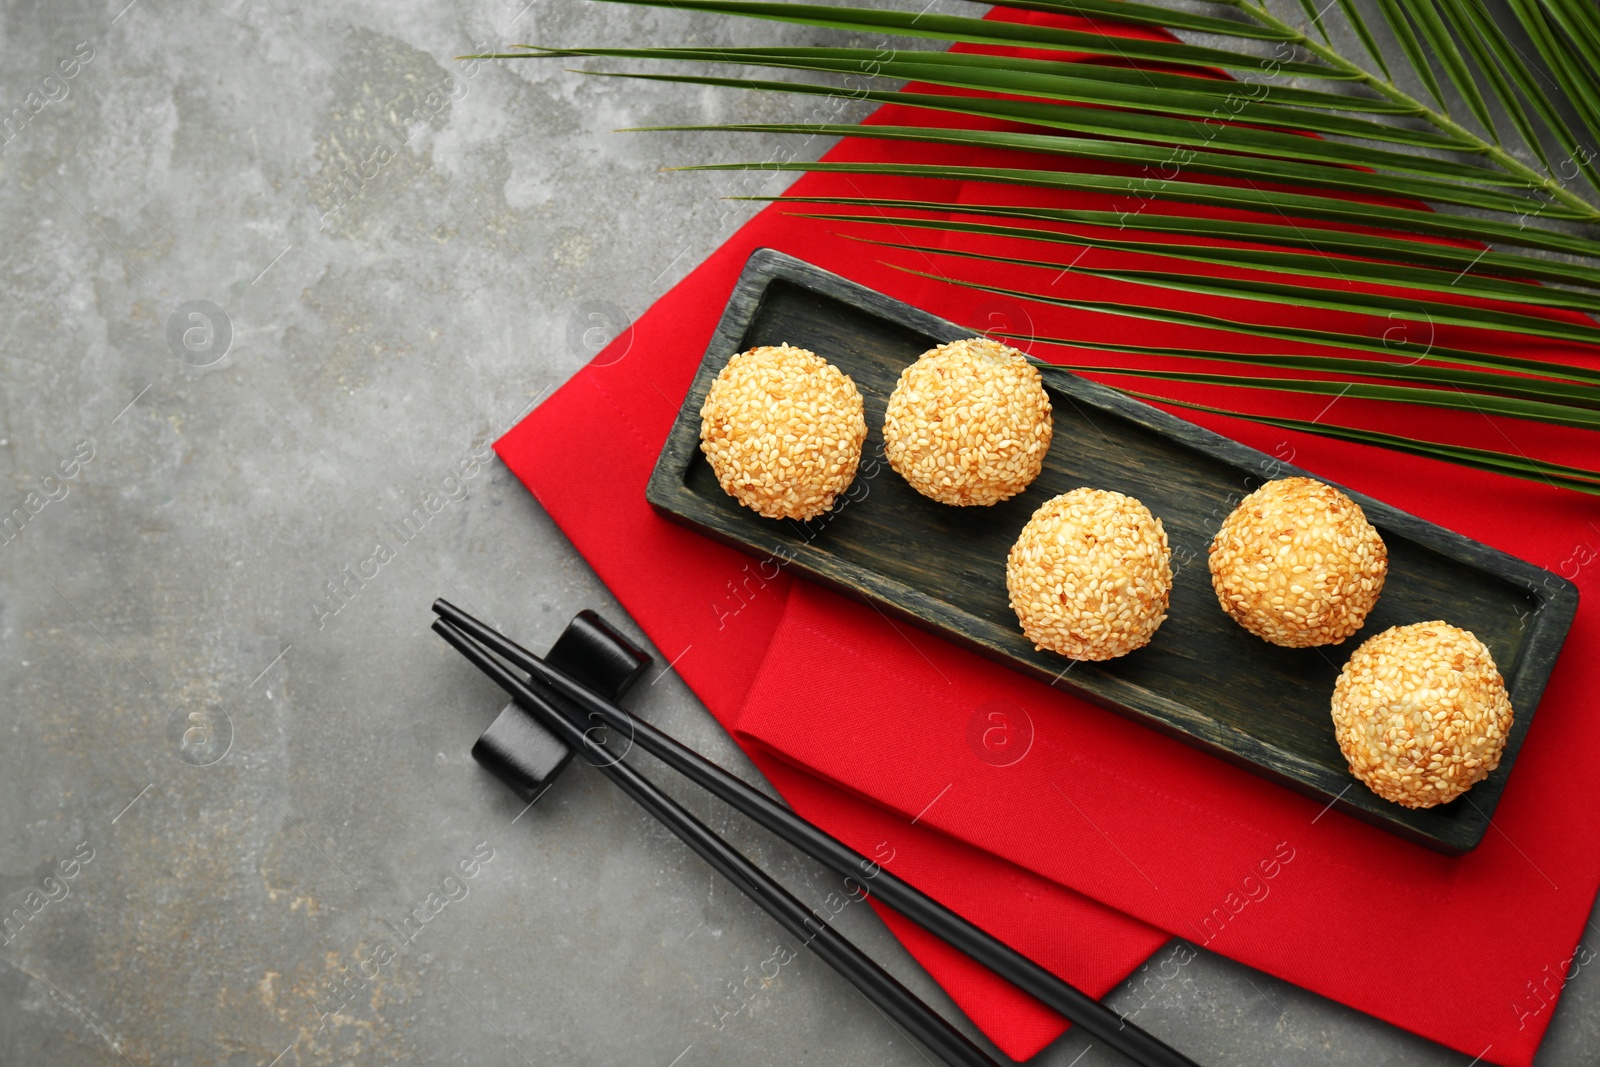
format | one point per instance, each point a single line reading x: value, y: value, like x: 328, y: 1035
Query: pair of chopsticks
x: 481, y: 644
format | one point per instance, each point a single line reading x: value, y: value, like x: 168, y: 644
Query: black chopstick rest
x: 595, y: 653
x: 516, y: 748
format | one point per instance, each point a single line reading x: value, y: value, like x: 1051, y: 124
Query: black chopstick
x: 1095, y: 1018
x: 895, y: 1000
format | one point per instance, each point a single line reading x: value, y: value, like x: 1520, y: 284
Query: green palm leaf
x: 1400, y: 26
x: 1557, y: 50
x: 1466, y: 262
x: 1083, y: 83
x: 1331, y: 299
x: 1389, y: 307
x: 1566, y: 394
x: 1147, y: 15
x: 1515, y: 66
x: 1582, y: 24
x: 1336, y: 158
x: 1456, y: 400
x: 1303, y: 264
x: 1455, y: 12
x: 1314, y: 16
x: 1229, y: 164
x: 1249, y: 198
x: 1444, y: 46
x: 1152, y: 132
x: 982, y: 31
x: 1353, y: 15
x: 1380, y: 346
x: 1517, y: 466
x: 1521, y: 74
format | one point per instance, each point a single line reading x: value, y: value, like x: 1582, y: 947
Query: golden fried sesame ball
x: 1298, y: 564
x: 1090, y: 575
x: 782, y: 429
x: 968, y: 423
x: 1421, y: 713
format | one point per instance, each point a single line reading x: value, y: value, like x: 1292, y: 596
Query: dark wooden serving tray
x: 1203, y: 679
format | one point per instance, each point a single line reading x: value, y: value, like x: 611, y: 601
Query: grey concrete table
x: 274, y: 273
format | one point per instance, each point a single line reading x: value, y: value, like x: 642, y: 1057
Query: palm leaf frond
x: 1249, y: 198
x: 1560, y: 393
x: 934, y: 27
x: 1453, y: 399
x: 1317, y: 242
x: 1391, y: 309
x: 1521, y: 73
x: 1379, y: 346
x: 1314, y: 265
x: 1399, y: 25
x: 1267, y: 166
x: 1288, y: 108
x: 1515, y: 465
x: 1132, y: 153
x: 1431, y: 22
x: 1358, y: 23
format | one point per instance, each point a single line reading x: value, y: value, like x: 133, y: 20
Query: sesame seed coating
x: 1298, y: 564
x: 782, y: 428
x: 1421, y: 713
x: 968, y: 423
x: 1090, y: 575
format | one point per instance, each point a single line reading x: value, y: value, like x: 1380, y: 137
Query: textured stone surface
x: 408, y: 252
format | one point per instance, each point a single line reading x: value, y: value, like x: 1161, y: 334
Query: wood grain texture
x: 1203, y: 679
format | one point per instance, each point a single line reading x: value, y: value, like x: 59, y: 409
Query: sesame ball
x: 1421, y: 713
x: 968, y: 423
x: 1298, y: 564
x: 782, y: 429
x: 1090, y: 575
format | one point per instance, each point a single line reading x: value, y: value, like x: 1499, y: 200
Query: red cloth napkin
x: 1104, y: 838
